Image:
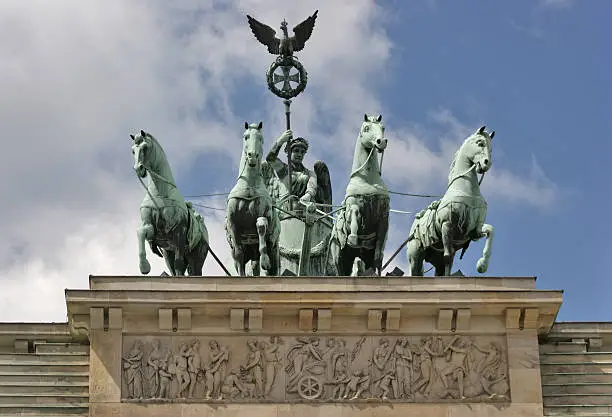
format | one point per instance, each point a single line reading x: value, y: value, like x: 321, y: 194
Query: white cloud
x: 78, y: 77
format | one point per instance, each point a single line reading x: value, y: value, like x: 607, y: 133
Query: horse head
x: 372, y: 133
x: 477, y: 149
x: 141, y: 149
x: 252, y: 150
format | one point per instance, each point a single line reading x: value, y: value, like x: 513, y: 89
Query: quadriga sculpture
x: 252, y: 225
x: 172, y: 227
x: 450, y: 224
x: 361, y: 229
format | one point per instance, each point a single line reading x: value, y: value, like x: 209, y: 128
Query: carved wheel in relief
x: 309, y: 388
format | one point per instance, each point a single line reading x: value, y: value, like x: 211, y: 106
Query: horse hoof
x: 264, y: 261
x: 352, y: 240
x: 482, y: 266
x: 145, y: 267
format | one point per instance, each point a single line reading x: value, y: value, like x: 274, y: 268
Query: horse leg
x: 256, y: 268
x: 144, y: 233
x: 415, y: 258
x: 233, y: 235
x: 169, y: 257
x: 262, y: 227
x: 355, y: 217
x: 346, y: 259
x: 333, y: 252
x: 483, y: 263
x: 447, y: 242
x: 195, y: 259
x: 179, y: 255
x: 239, y: 261
x: 274, y: 260
x: 381, y: 240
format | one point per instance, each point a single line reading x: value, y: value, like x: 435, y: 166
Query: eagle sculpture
x: 286, y: 46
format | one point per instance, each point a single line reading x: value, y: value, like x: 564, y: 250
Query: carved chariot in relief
x: 315, y: 368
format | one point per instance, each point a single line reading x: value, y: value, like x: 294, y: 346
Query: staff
x: 289, y: 146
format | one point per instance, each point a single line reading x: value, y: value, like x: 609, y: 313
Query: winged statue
x: 285, y: 46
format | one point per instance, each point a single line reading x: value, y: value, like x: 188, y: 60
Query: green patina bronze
x: 361, y: 228
x: 449, y: 224
x: 252, y: 225
x: 172, y: 227
x: 310, y: 188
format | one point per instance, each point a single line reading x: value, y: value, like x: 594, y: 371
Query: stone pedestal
x: 313, y: 346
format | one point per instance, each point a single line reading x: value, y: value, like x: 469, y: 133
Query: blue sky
x: 537, y: 72
x: 541, y: 76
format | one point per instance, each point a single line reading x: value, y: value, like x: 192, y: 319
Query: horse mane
x: 158, y: 147
x: 451, y: 170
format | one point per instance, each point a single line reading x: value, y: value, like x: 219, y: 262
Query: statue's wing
x: 265, y: 34
x: 324, y: 187
x: 303, y: 32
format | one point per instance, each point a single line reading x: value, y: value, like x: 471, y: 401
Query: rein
x: 463, y: 174
x: 147, y: 189
x: 366, y: 162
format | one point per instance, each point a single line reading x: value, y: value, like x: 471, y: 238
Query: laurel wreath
x: 287, y: 62
x: 318, y: 250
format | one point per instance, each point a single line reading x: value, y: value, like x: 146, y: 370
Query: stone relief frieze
x: 315, y: 368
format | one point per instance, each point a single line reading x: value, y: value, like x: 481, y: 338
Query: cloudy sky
x: 77, y: 77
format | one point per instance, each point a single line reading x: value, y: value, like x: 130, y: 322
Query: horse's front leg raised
x: 483, y: 263
x: 144, y: 233
x: 449, y: 250
x: 262, y: 228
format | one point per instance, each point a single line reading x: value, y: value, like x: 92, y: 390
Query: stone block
x: 96, y: 318
x: 237, y: 319
x: 115, y: 318
x: 374, y: 319
x: 531, y: 318
x: 513, y: 316
x: 525, y: 386
x: 20, y: 346
x: 183, y: 318
x: 445, y: 319
x: 464, y: 316
x: 595, y: 343
x: 494, y: 410
x: 165, y: 318
x: 306, y: 319
x: 255, y: 319
x: 393, y: 319
x: 324, y: 319
x: 105, y: 366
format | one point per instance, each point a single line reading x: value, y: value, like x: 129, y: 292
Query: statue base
x: 269, y: 346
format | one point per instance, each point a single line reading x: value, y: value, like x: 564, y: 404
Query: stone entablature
x: 193, y: 344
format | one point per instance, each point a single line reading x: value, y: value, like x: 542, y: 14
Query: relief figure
x: 194, y: 365
x: 255, y: 368
x: 272, y: 362
x: 180, y: 370
x: 132, y: 365
x: 217, y: 369
x: 153, y: 367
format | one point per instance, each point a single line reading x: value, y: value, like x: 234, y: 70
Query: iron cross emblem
x: 286, y: 78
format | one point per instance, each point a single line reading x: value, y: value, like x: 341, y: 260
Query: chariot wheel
x: 309, y: 388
